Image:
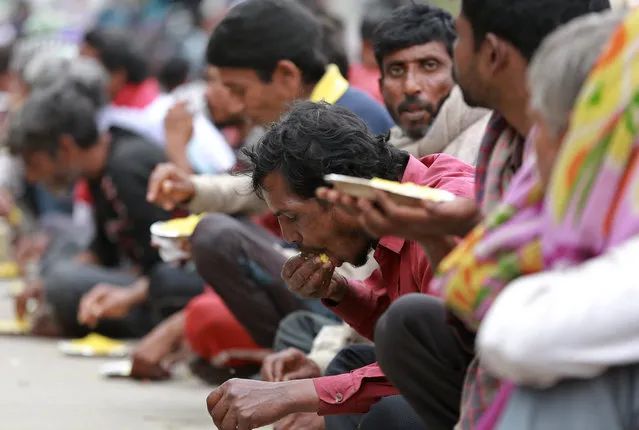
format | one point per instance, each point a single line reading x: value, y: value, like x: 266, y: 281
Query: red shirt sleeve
x: 354, y: 392
x: 364, y: 303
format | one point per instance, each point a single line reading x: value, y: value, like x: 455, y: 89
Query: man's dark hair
x: 257, y: 34
x: 117, y: 52
x: 49, y: 114
x: 316, y: 139
x: 174, y: 73
x: 333, y: 42
x: 411, y: 25
x: 524, y: 23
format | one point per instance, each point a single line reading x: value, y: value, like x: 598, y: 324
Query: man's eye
x: 430, y: 65
x: 396, y: 71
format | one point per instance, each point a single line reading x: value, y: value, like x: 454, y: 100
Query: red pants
x: 213, y: 332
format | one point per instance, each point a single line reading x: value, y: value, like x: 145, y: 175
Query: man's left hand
x: 241, y: 404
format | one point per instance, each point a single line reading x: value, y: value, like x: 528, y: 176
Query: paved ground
x: 42, y: 389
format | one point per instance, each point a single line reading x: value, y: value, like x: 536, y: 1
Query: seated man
x: 414, y: 51
x: 407, y: 315
x: 569, y: 343
x: 288, y: 165
x: 118, y: 286
x: 266, y: 82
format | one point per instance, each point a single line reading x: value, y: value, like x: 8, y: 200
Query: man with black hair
x: 496, y: 40
x: 414, y: 50
x: 136, y: 104
x: 311, y: 141
x: 113, y: 48
x: 269, y: 55
x: 117, y: 286
x: 174, y: 73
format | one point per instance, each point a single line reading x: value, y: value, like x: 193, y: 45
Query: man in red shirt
x: 288, y: 166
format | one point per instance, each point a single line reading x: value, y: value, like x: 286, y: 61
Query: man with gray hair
x: 534, y: 334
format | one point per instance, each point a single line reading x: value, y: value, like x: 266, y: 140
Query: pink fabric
x: 366, y: 79
x: 491, y: 417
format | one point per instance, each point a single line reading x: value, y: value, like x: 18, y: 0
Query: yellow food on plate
x: 181, y: 226
x: 95, y: 344
x: 324, y: 258
x: 9, y: 270
x: 409, y: 189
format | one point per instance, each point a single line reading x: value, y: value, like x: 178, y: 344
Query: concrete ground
x: 42, y: 389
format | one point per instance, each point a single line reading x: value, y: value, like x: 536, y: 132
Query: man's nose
x: 411, y: 85
x: 290, y: 234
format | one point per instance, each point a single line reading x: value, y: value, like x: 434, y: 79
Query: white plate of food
x: 402, y: 193
x: 171, y: 237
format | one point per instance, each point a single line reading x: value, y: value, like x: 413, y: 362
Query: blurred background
x: 165, y: 28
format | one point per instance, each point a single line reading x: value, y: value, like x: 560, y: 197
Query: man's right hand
x: 289, y: 365
x: 169, y: 186
x: 104, y: 301
x: 384, y: 217
x: 306, y: 275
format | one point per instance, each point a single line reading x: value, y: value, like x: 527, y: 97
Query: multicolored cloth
x: 591, y: 203
x: 499, y: 158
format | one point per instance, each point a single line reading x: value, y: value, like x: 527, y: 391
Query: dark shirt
x: 123, y: 216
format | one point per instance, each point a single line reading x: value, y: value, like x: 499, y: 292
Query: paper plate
x: 402, y: 193
x: 94, y: 345
x: 15, y: 327
x: 178, y: 228
x: 117, y: 369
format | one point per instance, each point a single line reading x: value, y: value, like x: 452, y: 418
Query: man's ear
x: 66, y: 147
x: 288, y: 77
x: 498, y: 53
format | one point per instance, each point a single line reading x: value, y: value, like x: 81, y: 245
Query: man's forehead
x: 231, y: 75
x: 278, y: 194
x: 417, y: 52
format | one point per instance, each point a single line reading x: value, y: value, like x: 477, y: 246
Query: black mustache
x: 412, y: 101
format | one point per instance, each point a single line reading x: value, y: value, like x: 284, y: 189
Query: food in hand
x: 324, y: 258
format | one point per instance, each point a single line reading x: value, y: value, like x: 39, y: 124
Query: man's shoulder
x: 131, y: 152
x: 368, y: 109
x: 448, y: 173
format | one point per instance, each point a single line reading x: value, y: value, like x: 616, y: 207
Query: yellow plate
x: 15, y: 326
x: 94, y: 345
